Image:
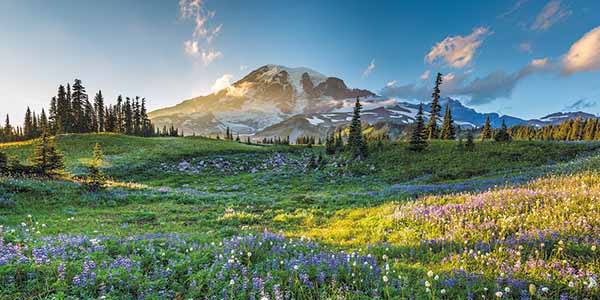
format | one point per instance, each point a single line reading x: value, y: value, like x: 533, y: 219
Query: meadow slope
x: 189, y: 218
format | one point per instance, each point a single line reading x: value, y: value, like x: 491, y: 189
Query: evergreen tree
x: 46, y: 159
x: 418, y: 140
x: 79, y: 101
x: 330, y: 143
x: 100, y: 115
x: 3, y: 164
x: 448, y: 131
x: 486, y: 131
x: 28, y: 125
x: 356, y: 142
x: 434, y: 114
x: 95, y: 180
x: 44, y: 126
x: 339, y: 142
x: 469, y: 144
x: 8, y: 130
x: 53, y: 117
x: 502, y: 134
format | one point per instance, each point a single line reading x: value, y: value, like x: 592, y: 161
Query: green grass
x: 344, y: 208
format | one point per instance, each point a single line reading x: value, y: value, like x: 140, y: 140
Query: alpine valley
x: 276, y: 100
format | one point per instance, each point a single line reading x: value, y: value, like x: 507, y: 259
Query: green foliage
x: 356, y: 141
x: 46, y: 159
x: 436, y: 108
x: 469, y: 144
x: 486, y: 131
x: 502, y: 134
x: 417, y: 138
x: 95, y: 179
x: 448, y: 131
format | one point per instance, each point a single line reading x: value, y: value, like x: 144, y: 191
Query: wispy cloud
x: 203, y: 33
x: 391, y: 83
x: 425, y: 75
x: 479, y: 90
x: 221, y: 83
x: 458, y: 51
x: 581, y: 104
x: 369, y: 68
x: 210, y: 56
x: 514, y: 8
x: 550, y: 15
x: 584, y: 55
x: 526, y: 47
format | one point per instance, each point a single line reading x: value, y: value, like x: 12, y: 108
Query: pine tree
x: 356, y: 142
x: 3, y: 164
x: 339, y: 142
x: 53, y: 117
x: 448, y: 131
x: 79, y: 101
x: 43, y: 124
x: 46, y: 159
x: 418, y: 140
x: 28, y: 125
x: 486, y: 131
x: 502, y: 135
x: 99, y: 108
x: 434, y: 114
x: 330, y: 143
x: 95, y: 180
x: 8, y: 130
x: 469, y: 144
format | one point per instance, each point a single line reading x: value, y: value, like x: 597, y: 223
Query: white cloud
x: 584, y: 55
x: 425, y: 75
x: 391, y: 83
x: 196, y: 11
x: 191, y: 47
x: 550, y: 15
x: 458, y: 51
x: 210, y: 56
x: 243, y: 67
x: 369, y: 68
x: 479, y: 90
x: 221, y: 83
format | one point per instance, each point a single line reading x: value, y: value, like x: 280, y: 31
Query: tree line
x: 571, y: 130
x: 72, y: 111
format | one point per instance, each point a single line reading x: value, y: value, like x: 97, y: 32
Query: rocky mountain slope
x: 264, y: 97
x: 275, y: 100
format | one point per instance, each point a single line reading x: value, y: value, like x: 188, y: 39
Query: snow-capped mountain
x: 264, y: 97
x: 275, y: 100
x: 559, y: 117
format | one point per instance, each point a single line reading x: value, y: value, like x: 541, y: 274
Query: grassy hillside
x: 122, y: 150
x: 203, y: 218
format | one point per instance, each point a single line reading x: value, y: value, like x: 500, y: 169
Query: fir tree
x: 46, y: 159
x: 3, y: 163
x: 448, y: 131
x: 502, y: 135
x: 356, y: 142
x: 95, y: 180
x: 469, y: 144
x: 28, y: 125
x: 339, y: 142
x: 79, y: 101
x: 418, y: 141
x: 486, y: 131
x: 99, y: 108
x: 434, y: 114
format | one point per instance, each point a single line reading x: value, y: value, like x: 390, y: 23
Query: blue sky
x: 519, y: 57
